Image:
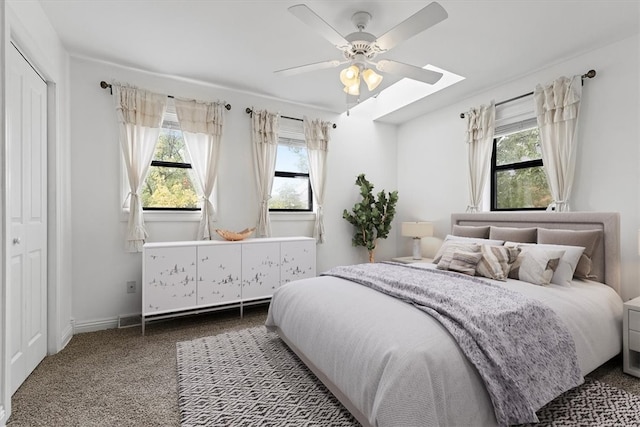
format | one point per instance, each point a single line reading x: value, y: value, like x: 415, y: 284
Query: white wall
x: 102, y: 267
x: 26, y: 25
x: 432, y: 162
x: 5, y: 392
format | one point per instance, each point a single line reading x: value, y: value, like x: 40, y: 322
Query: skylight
x: 403, y: 93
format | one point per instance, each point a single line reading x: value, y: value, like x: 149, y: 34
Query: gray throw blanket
x: 520, y: 347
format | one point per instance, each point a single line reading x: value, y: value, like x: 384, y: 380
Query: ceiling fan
x: 361, y: 48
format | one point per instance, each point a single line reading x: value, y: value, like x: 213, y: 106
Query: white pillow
x: 568, y: 263
x: 535, y: 265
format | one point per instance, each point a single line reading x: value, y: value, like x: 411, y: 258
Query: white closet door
x: 27, y: 218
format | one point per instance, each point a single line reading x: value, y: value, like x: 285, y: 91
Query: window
x: 170, y: 184
x: 518, y: 180
x: 291, y: 191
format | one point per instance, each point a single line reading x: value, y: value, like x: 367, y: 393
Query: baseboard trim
x: 95, y: 325
x: 67, y: 334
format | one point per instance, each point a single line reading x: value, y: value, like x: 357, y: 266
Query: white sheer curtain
x: 316, y: 134
x: 139, y: 115
x: 480, y: 131
x: 264, y: 135
x: 557, y: 110
x: 201, y: 124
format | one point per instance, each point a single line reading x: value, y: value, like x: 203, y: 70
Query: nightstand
x: 410, y: 260
x: 631, y: 337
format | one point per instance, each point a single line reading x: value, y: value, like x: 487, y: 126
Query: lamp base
x: 417, y: 251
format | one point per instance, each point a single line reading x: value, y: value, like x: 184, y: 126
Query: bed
x: 392, y: 364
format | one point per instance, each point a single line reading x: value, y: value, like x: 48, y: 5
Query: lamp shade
x: 371, y: 78
x: 417, y: 229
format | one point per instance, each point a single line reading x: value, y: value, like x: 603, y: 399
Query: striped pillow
x: 496, y: 261
x: 450, y: 247
x: 465, y: 262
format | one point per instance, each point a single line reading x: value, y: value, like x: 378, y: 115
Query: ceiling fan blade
x: 309, y: 67
x: 309, y: 17
x: 409, y: 71
x: 425, y: 18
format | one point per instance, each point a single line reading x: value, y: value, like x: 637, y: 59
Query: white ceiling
x: 239, y: 44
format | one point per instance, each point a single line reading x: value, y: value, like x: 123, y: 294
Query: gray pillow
x: 513, y: 234
x: 588, y: 239
x: 481, y: 232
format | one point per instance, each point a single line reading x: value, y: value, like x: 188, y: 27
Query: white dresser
x: 631, y: 337
x: 181, y: 277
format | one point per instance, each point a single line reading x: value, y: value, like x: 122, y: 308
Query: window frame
x: 165, y: 164
x: 509, y: 166
x: 292, y: 130
x: 513, y: 116
x: 171, y: 118
x: 282, y: 174
x: 160, y: 214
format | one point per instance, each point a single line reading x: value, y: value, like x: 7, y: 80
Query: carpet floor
x: 118, y: 377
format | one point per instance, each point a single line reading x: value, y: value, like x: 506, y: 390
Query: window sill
x: 166, y: 216
x: 292, y: 216
x: 194, y: 216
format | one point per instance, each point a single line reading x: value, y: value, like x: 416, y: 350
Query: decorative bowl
x: 235, y: 236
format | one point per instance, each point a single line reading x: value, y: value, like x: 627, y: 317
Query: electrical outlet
x: 131, y: 287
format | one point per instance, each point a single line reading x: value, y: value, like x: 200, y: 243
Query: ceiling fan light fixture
x: 371, y: 78
x: 350, y: 76
x: 354, y: 89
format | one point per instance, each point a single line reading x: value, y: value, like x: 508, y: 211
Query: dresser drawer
x: 634, y: 320
x: 634, y: 340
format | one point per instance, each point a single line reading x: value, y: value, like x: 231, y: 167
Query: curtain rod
x: 250, y: 111
x: 588, y: 75
x: 105, y: 85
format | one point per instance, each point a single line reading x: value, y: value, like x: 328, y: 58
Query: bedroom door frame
x: 26, y: 178
x: 59, y: 330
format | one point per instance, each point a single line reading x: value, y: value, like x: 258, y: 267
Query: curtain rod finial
x: 105, y: 85
x: 590, y: 74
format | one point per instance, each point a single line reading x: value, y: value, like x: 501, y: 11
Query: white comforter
x: 398, y: 366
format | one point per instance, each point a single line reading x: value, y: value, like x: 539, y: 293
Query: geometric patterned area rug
x: 592, y: 404
x: 251, y: 378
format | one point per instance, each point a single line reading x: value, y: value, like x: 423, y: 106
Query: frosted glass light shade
x: 417, y: 229
x: 350, y: 76
x: 371, y: 78
x: 353, y: 89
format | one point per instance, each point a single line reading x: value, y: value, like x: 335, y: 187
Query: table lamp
x: 417, y: 230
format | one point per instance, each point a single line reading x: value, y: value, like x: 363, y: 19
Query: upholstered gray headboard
x: 606, y: 256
